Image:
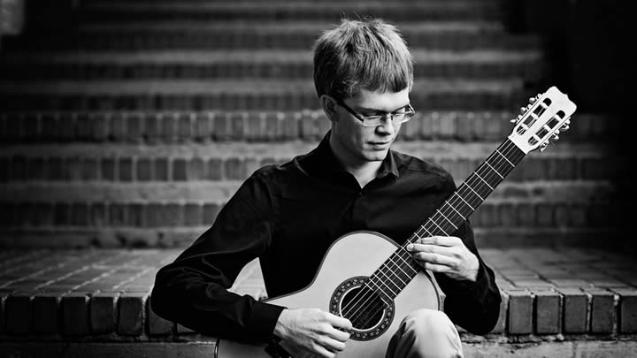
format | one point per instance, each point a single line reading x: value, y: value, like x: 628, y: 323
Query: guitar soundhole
x: 364, y: 307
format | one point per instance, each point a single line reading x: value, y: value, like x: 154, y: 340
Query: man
x: 288, y: 215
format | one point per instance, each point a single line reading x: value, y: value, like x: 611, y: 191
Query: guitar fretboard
x: 399, y: 269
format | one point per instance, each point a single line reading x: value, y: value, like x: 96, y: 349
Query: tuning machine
x: 543, y: 146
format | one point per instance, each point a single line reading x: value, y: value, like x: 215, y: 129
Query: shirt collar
x: 322, y: 162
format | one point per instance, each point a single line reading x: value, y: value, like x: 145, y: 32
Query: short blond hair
x: 361, y: 54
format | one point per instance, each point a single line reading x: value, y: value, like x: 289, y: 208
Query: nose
x: 387, y: 126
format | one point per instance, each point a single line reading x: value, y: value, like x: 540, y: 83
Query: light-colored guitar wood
x: 355, y: 254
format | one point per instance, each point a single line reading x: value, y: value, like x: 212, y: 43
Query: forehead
x: 384, y: 101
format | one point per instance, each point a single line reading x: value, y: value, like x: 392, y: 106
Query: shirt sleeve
x: 193, y: 289
x: 475, y: 306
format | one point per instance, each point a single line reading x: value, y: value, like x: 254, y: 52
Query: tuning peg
x: 514, y: 120
x: 556, y: 136
x: 565, y: 127
x: 532, y: 99
x: 543, y: 146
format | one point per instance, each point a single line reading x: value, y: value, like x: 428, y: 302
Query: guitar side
x: 355, y: 254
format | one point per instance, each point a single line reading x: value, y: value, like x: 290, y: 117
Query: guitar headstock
x: 546, y: 115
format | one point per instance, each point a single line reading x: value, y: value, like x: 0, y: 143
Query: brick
x: 520, y: 316
x: 89, y: 169
x: 61, y: 214
x: 130, y: 320
x: 195, y: 169
x: 157, y: 326
x: 237, y: 123
x: 185, y: 122
x: 544, y: 214
x: 162, y: 169
x: 144, y: 169
x: 126, y: 169
x: 234, y: 169
x: 134, y: 127
x: 547, y: 312
x: 192, y: 214
x: 152, y: 127
x: 118, y: 126
x: 97, y: 214
x: 75, y: 314
x: 136, y: 215
x: 627, y: 310
x: 103, y: 312
x: 109, y: 171
x: 45, y: 313
x: 117, y: 214
x: 80, y: 214
x: 18, y: 313
x: 602, y: 311
x: 66, y: 121
x: 169, y: 128
x: 203, y: 126
x: 179, y: 170
x: 214, y: 169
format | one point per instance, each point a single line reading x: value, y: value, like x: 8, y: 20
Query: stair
x: 136, y: 128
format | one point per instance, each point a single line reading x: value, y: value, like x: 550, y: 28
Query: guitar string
x: 510, y: 167
x: 369, y: 296
x: 441, y: 212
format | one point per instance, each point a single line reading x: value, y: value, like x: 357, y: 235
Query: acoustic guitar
x: 372, y: 281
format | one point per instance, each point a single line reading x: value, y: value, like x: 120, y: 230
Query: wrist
x: 280, y: 327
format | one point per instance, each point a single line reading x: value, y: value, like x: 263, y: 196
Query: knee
x: 426, y: 322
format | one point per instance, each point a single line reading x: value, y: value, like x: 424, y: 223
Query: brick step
x: 239, y: 94
x: 106, y: 11
x: 261, y: 126
x: 101, y: 297
x: 178, y: 223
x: 236, y: 161
x: 513, y: 192
x: 453, y: 36
x: 250, y: 64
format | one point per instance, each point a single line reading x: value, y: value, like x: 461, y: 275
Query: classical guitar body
x: 347, y: 264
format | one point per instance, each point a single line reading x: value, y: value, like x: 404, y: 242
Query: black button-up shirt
x: 288, y: 215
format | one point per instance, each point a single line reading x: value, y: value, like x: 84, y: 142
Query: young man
x: 288, y: 216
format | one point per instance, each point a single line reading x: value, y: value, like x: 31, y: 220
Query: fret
x: 388, y: 279
x: 492, y: 168
x: 476, y: 173
x: 449, y: 221
x: 380, y: 288
x: 399, y: 265
x: 457, y: 212
x: 505, y: 158
x: 478, y: 195
x: 396, y: 270
x: 441, y: 229
x: 461, y: 198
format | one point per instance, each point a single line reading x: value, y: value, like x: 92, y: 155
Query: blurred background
x: 130, y: 123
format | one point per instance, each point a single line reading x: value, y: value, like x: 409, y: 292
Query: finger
x: 339, y: 322
x: 441, y: 240
x: 330, y: 344
x: 322, y: 351
x: 337, y: 334
x: 425, y: 257
x: 436, y: 268
x: 434, y: 249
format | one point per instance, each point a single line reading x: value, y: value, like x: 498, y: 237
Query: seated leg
x: 425, y: 333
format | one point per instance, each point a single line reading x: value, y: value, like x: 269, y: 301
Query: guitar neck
x: 397, y: 271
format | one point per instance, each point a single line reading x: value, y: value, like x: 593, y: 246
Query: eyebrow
x: 364, y: 109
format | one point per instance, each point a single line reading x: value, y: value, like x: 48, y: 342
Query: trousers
x: 425, y: 333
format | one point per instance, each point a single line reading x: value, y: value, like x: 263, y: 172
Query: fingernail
x: 410, y: 247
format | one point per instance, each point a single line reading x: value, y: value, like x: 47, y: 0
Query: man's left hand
x: 447, y: 255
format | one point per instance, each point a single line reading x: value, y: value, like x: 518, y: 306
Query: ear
x: 329, y: 107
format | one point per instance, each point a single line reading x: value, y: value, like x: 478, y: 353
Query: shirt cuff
x: 263, y: 319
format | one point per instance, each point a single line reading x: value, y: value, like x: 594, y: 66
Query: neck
x: 364, y: 171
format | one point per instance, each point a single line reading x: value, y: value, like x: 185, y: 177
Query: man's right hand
x: 310, y: 332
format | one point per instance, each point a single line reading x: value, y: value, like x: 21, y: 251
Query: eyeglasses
x: 400, y: 116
